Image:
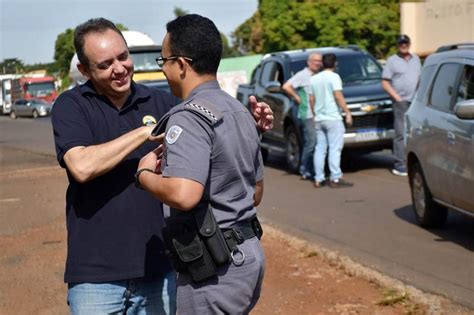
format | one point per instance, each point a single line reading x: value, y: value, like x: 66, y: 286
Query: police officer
x: 211, y: 156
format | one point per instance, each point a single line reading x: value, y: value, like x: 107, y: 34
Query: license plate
x: 369, y: 134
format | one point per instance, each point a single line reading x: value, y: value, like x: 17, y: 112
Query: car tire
x: 428, y: 213
x: 13, y: 115
x: 35, y: 114
x: 293, y: 150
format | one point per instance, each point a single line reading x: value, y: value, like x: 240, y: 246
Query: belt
x: 237, y: 234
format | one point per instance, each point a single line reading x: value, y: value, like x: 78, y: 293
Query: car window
x: 272, y: 71
x: 466, y: 84
x: 425, y: 79
x: 443, y: 86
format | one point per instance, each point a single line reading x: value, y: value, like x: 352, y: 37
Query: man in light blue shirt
x: 326, y: 95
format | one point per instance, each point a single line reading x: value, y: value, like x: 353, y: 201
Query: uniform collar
x: 138, y: 92
x: 209, y: 85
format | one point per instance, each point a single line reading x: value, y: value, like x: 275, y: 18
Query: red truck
x: 34, y: 87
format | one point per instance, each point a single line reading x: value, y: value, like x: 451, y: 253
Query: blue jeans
x: 329, y: 133
x: 134, y: 296
x: 309, y: 139
x: 399, y: 110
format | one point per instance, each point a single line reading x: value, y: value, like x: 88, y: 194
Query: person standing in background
x: 399, y: 79
x: 327, y: 97
x: 298, y: 88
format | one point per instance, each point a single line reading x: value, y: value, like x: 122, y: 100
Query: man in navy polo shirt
x: 115, y: 261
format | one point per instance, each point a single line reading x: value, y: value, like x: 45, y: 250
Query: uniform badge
x: 148, y: 120
x: 173, y: 134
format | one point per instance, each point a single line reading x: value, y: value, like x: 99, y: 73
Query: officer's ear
x: 184, y: 66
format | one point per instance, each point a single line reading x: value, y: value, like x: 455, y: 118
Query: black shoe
x: 339, y: 183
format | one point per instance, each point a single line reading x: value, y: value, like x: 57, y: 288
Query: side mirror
x: 465, y: 109
x: 273, y: 87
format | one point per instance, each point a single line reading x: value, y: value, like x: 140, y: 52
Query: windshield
x: 39, y: 102
x: 351, y: 68
x: 40, y: 89
x: 145, y: 61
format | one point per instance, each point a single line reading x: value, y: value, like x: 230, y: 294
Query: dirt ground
x: 300, y: 278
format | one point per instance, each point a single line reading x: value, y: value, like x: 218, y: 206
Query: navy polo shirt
x: 114, y: 229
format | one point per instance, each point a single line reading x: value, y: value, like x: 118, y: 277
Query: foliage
x: 294, y: 24
x: 179, y: 11
x: 64, y: 51
x: 11, y: 65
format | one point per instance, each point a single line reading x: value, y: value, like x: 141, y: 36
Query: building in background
x: 434, y: 23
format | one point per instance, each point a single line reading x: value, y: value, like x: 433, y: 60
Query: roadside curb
x: 353, y: 268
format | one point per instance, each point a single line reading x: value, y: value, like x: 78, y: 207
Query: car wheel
x: 35, y: 114
x: 13, y: 115
x: 293, y: 150
x: 429, y: 214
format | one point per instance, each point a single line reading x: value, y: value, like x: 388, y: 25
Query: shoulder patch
x: 203, y: 110
x: 173, y: 134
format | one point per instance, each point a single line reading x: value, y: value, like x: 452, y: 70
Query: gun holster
x: 195, y: 242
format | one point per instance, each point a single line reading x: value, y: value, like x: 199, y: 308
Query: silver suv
x: 440, y: 136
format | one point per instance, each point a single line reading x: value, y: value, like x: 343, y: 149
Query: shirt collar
x: 209, y: 85
x: 138, y: 92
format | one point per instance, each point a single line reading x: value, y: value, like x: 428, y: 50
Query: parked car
x: 361, y: 74
x: 440, y: 136
x: 30, y: 108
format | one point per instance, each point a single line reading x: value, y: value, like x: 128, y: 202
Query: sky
x: 28, y: 28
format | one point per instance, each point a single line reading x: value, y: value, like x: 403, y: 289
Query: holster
x: 195, y: 243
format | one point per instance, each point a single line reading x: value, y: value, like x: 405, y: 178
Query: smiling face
x: 110, y: 66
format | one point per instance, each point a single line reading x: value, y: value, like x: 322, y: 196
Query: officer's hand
x: 262, y: 114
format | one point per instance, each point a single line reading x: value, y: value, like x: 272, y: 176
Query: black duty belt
x: 237, y: 234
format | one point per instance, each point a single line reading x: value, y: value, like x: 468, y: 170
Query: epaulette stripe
x: 203, y: 109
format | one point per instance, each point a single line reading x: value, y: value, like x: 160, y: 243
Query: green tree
x: 11, y: 65
x: 179, y: 11
x: 283, y: 25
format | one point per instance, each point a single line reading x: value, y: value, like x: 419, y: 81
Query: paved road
x: 371, y: 222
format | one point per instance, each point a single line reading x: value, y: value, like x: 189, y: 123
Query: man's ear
x: 183, y: 67
x: 83, y: 69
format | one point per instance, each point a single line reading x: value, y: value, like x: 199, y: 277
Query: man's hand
x: 262, y: 114
x: 348, y: 119
x: 159, y: 138
x: 152, y: 160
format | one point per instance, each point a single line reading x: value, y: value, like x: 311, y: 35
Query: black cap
x: 403, y: 39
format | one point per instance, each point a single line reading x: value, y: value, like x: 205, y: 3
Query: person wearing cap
x: 399, y: 79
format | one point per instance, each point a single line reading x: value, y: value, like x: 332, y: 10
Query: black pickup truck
x: 361, y: 74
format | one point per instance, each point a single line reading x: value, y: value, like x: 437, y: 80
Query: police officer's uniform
x: 212, y: 139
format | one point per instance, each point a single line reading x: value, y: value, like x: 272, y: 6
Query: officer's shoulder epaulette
x: 199, y: 107
x: 205, y: 110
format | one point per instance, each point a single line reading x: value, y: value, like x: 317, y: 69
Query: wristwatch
x: 137, y: 176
